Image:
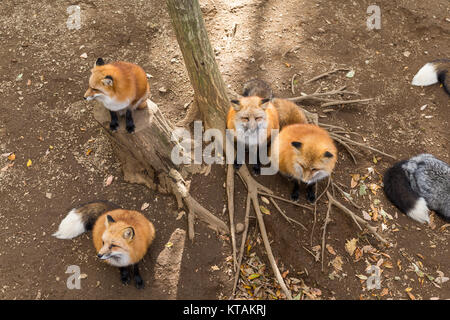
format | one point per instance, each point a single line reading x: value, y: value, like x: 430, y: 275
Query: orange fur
x: 104, y: 234
x: 250, y: 106
x: 129, y: 84
x: 315, y: 142
x: 288, y: 112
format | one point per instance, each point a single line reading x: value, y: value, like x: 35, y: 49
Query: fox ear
x: 328, y: 154
x: 128, y: 233
x: 109, y: 220
x: 296, y: 144
x: 263, y: 103
x: 108, y: 81
x: 236, y: 104
x: 99, y: 62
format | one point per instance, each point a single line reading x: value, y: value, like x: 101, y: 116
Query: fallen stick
x: 338, y: 102
x: 252, y: 189
x: 350, y: 213
x: 230, y: 196
x: 326, y: 74
x: 243, y: 241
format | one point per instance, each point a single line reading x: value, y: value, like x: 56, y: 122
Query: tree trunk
x: 210, y: 92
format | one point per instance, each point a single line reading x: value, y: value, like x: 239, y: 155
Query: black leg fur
x: 129, y: 121
x: 114, y: 124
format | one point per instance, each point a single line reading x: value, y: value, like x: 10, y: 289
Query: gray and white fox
x: 418, y: 185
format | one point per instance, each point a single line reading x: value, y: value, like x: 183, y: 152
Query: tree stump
x: 146, y: 158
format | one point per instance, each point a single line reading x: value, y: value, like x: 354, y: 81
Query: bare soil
x: 44, y: 119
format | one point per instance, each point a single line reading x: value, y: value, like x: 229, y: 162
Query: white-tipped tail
x: 420, y: 211
x: 71, y: 226
x: 426, y: 76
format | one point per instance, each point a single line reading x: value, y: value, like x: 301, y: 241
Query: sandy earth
x: 43, y: 75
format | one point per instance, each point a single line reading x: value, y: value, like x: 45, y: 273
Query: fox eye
x: 314, y: 169
x: 244, y: 118
x: 113, y: 246
x: 258, y: 118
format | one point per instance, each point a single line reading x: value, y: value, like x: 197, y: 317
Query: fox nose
x: 84, y: 98
x: 99, y: 256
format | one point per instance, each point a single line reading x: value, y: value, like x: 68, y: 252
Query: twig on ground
x: 338, y: 102
x: 230, y: 196
x: 290, y: 220
x: 327, y: 219
x: 372, y: 229
x: 253, y: 190
x: 326, y: 74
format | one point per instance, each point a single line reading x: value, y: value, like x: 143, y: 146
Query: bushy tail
x: 434, y: 72
x: 257, y: 87
x: 398, y: 190
x: 82, y: 219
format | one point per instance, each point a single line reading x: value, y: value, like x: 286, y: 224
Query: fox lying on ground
x: 121, y: 237
x: 122, y: 87
x: 418, y: 185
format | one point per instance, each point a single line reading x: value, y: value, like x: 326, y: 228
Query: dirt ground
x: 44, y: 68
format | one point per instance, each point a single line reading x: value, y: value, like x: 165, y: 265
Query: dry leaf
x: 384, y: 292
x: 330, y: 250
x: 358, y: 254
x: 265, y: 200
x: 12, y: 157
x: 145, y: 205
x: 264, y: 210
x: 109, y: 180
x: 215, y: 268
x: 350, y: 246
x: 29, y: 163
x: 88, y: 152
x: 337, y: 263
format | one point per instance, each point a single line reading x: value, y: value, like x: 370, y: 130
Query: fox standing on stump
x: 122, y: 87
x: 121, y: 237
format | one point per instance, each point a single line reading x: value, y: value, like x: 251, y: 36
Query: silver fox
x: 418, y: 185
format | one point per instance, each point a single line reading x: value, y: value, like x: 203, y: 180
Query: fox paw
x: 130, y: 129
x: 311, y: 197
x: 113, y: 126
x: 125, y: 276
x: 295, y: 196
x: 139, y: 282
x: 256, y: 170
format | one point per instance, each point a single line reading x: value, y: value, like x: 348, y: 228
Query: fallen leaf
x: 109, y: 180
x: 264, y: 210
x: 144, y: 206
x: 361, y: 276
x: 29, y: 163
x: 366, y: 216
x: 411, y: 296
x: 358, y: 254
x: 265, y: 200
x: 169, y: 244
x: 215, y: 268
x: 330, y: 250
x: 82, y: 276
x: 12, y: 157
x: 350, y: 74
x: 88, y: 152
x: 337, y: 263
x: 384, y: 292
x: 350, y: 246
x: 362, y: 189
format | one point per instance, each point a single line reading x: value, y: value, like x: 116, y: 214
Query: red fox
x: 288, y: 112
x: 434, y: 72
x: 305, y: 153
x: 122, y: 87
x: 121, y: 237
x: 252, y: 119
